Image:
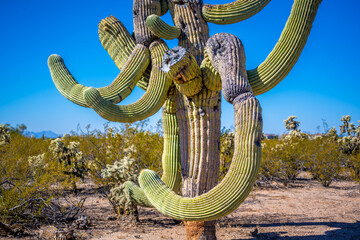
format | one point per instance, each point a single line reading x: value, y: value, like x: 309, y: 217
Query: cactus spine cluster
x: 187, y: 82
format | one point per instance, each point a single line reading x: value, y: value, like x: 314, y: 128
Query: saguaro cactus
x: 187, y: 81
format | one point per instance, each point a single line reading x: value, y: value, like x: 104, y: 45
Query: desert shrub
x: 323, y: 159
x: 24, y: 189
x: 32, y: 179
x: 110, y: 146
x: 269, y: 164
x: 354, y: 164
x: 116, y: 155
x: 283, y: 158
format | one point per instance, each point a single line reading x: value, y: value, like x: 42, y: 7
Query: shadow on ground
x: 343, y: 231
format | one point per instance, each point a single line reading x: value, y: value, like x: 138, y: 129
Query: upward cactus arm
x: 171, y: 155
x: 161, y: 29
x: 170, y: 158
x: 288, y: 48
x: 116, y: 40
x: 233, y: 12
x: 150, y: 102
x: 120, y: 88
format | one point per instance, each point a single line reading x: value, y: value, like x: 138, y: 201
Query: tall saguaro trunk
x: 199, y: 119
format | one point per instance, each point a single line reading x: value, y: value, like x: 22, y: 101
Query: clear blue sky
x: 323, y: 84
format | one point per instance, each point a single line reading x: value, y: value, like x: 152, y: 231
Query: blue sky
x: 323, y: 84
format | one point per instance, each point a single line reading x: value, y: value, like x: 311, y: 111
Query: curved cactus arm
x: 233, y: 12
x: 237, y: 184
x: 182, y: 68
x: 161, y: 29
x: 116, y: 40
x: 137, y: 194
x: 149, y: 103
x: 120, y: 88
x: 288, y: 48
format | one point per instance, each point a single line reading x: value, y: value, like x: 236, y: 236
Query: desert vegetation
x: 38, y: 176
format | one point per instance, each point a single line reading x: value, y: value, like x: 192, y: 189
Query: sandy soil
x: 305, y: 210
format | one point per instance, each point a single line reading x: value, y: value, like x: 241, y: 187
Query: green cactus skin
x: 161, y: 29
x: 120, y: 88
x: 236, y: 185
x: 171, y: 155
x: 145, y: 107
x: 233, y: 12
x: 170, y: 158
x: 137, y: 194
x: 288, y: 48
x: 116, y: 40
x: 211, y: 77
x: 181, y: 67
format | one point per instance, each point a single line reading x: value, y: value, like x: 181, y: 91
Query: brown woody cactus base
x: 200, y: 230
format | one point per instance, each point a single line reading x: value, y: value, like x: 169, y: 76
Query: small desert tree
x: 187, y: 81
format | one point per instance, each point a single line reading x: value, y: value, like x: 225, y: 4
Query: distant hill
x: 46, y: 134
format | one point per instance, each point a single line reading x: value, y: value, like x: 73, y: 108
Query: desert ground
x: 305, y: 210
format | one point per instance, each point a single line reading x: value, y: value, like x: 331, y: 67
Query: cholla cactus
x: 351, y: 143
x: 69, y: 156
x: 4, y: 135
x: 333, y: 133
x: 291, y: 124
x: 37, y: 163
x: 119, y: 173
x: 122, y: 171
x: 187, y: 81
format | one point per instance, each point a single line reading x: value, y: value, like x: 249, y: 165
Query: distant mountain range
x: 46, y: 134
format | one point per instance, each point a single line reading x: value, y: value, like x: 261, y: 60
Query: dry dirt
x: 305, y: 211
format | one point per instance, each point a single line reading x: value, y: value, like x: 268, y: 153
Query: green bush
x: 323, y: 159
x: 283, y: 158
